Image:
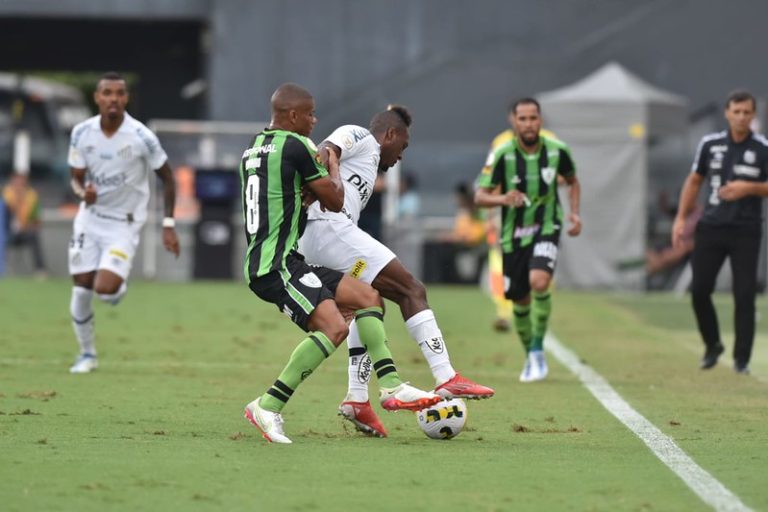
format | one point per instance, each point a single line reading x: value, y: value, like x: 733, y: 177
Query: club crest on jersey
x: 348, y: 142
x: 125, y: 153
x: 749, y: 157
x: 310, y: 280
x: 548, y: 174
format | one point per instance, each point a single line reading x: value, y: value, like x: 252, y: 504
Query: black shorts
x: 541, y: 254
x: 298, y: 289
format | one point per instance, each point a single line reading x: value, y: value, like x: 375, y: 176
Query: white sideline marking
x: 707, y: 487
x: 142, y: 364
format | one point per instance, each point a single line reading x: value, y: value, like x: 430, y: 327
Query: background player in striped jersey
x: 280, y: 162
x: 335, y: 241
x: 521, y: 177
x: 110, y: 157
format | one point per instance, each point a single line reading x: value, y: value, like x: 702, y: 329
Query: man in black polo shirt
x: 734, y: 162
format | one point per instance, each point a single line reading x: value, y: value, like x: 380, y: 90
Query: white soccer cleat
x: 525, y: 375
x: 407, y: 397
x: 85, y: 363
x: 538, y: 363
x: 270, y: 423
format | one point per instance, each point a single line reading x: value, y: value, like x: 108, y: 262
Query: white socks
x: 114, y: 298
x: 81, y: 309
x: 359, y: 368
x: 424, y: 330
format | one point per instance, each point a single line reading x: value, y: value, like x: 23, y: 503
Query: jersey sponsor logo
x: 545, y: 250
x: 436, y: 345
x: 548, y: 174
x: 358, y: 268
x: 117, y: 180
x: 118, y: 253
x: 105, y: 156
x: 311, y: 280
x: 749, y: 157
x: 720, y: 148
x: 148, y: 141
x: 363, y: 188
x: 360, y: 134
x: 526, y: 231
x: 746, y: 170
x: 259, y: 150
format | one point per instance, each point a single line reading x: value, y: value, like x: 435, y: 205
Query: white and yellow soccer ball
x: 444, y: 420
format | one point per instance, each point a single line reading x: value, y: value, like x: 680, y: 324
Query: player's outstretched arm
x: 170, y: 239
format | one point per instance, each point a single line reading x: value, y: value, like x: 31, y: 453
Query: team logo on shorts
x: 358, y: 268
x: 311, y: 280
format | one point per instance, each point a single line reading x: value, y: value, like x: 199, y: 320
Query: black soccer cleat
x: 710, y: 356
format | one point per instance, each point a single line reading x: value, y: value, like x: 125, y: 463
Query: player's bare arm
x: 323, y: 153
x: 85, y: 192
x: 491, y: 197
x: 329, y: 190
x: 574, y: 200
x: 687, y: 201
x: 170, y: 239
x: 738, y: 189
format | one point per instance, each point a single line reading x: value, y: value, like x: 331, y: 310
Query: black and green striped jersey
x: 535, y: 175
x: 273, y: 170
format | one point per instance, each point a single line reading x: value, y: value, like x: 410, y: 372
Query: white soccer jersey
x: 117, y: 166
x: 358, y: 166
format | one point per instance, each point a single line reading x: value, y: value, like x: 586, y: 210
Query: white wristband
x: 169, y: 222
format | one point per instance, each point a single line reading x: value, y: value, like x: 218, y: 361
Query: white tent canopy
x: 608, y: 119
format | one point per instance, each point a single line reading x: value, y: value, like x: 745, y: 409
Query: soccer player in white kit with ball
x: 335, y: 241
x: 110, y: 157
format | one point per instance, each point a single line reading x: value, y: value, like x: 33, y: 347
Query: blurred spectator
x: 469, y: 225
x: 23, y: 219
x: 658, y: 260
x: 410, y: 203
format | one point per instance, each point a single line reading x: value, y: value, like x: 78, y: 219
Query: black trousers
x: 712, y: 244
x: 31, y: 239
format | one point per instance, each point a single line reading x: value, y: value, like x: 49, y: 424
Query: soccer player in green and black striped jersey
x: 280, y: 174
x: 521, y: 176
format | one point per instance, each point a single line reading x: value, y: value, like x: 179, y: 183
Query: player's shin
x: 523, y: 327
x: 542, y: 307
x: 81, y: 309
x: 359, y: 367
x: 424, y: 330
x: 370, y: 323
x: 307, y: 356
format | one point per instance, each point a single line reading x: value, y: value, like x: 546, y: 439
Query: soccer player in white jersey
x: 110, y: 157
x: 335, y: 241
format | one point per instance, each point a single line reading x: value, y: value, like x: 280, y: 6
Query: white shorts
x: 344, y: 247
x: 99, y: 243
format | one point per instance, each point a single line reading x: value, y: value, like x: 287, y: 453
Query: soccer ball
x: 443, y: 420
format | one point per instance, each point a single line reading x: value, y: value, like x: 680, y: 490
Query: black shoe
x: 741, y: 368
x: 710, y: 356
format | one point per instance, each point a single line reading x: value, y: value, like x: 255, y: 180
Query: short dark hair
x: 740, y: 95
x: 396, y: 116
x: 512, y: 109
x: 111, y: 75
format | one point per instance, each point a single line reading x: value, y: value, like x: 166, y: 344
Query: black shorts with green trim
x: 298, y: 289
x: 541, y: 254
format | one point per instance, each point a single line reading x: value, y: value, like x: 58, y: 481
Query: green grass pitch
x: 159, y: 426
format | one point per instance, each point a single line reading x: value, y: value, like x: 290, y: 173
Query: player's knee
x: 369, y: 297
x: 337, y: 332
x: 540, y: 283
x: 106, y: 289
